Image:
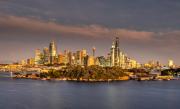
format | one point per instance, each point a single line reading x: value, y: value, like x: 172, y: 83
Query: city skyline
x: 148, y: 30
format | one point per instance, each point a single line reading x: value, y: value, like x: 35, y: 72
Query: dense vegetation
x: 170, y: 72
x: 92, y: 72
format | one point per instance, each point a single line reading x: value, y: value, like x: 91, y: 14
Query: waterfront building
x: 133, y: 64
x: 153, y: 64
x: 52, y: 53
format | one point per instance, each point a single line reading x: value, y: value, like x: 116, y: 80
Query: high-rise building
x: 83, y: 56
x: 115, y: 53
x: 118, y: 58
x: 61, y: 59
x: 112, y: 60
x: 38, y: 57
x: 53, y: 53
x: 70, y: 58
x: 78, y: 57
x: 122, y: 60
x: 46, y: 56
x: 108, y: 60
x: 89, y: 61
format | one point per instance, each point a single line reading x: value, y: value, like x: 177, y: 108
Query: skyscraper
x: 38, y: 57
x: 52, y: 52
x: 61, y: 59
x: 46, y: 55
x: 78, y: 57
x: 112, y: 55
x: 115, y: 53
x: 83, y: 56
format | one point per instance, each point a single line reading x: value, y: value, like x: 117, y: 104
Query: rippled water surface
x: 36, y: 94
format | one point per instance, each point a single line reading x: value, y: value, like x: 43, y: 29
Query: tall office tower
x: 94, y: 51
x: 70, y: 56
x: 38, y: 57
x: 112, y: 60
x: 83, y: 56
x: 46, y: 55
x: 52, y: 52
x: 122, y: 60
x: 66, y: 57
x: 108, y: 60
x: 115, y: 53
x: 78, y: 57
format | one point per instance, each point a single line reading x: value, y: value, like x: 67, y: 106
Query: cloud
x: 26, y: 25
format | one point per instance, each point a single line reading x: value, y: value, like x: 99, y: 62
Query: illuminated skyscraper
x: 112, y: 55
x: 115, y: 53
x: 52, y: 52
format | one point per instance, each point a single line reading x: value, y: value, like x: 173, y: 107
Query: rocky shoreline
x: 126, y: 78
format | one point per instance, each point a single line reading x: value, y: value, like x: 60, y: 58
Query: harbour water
x: 37, y: 94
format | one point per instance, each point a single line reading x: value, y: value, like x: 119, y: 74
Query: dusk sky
x: 148, y: 29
